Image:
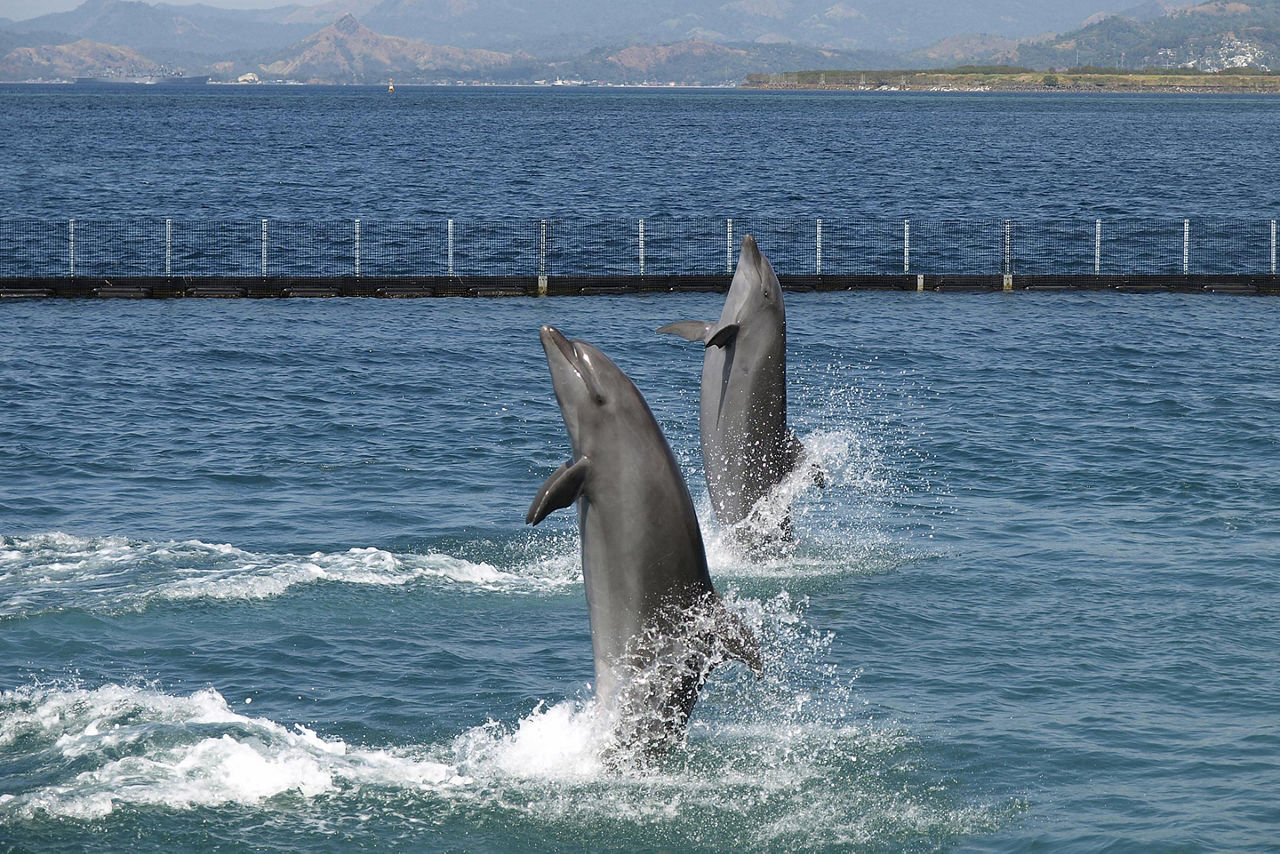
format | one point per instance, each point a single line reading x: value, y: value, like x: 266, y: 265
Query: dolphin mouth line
x: 574, y: 358
x: 564, y: 345
x: 553, y: 336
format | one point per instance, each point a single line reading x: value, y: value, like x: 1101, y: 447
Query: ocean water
x: 265, y: 582
x: 482, y: 154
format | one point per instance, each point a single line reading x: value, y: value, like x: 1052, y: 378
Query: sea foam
x: 57, y: 571
x: 150, y: 748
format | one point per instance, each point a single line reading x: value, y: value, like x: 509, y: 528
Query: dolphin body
x: 747, y: 448
x: 657, y: 624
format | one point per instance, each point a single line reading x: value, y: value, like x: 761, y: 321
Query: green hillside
x: 1209, y: 37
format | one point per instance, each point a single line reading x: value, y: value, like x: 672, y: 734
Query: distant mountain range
x: 63, y: 62
x: 561, y: 28
x: 348, y: 52
x: 1209, y: 36
x: 368, y: 41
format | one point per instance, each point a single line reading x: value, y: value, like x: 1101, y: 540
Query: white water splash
x: 863, y: 520
x: 792, y: 760
x: 260, y: 577
x: 835, y: 529
x: 56, y: 571
x: 155, y: 749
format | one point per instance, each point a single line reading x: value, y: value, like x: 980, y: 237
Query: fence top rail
x: 664, y: 245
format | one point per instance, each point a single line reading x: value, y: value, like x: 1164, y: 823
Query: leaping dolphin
x: 657, y: 624
x: 747, y: 447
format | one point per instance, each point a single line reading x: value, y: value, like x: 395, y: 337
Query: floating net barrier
x: 266, y: 257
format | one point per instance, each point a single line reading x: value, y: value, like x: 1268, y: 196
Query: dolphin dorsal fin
x: 689, y: 330
x: 724, y: 336
x: 560, y: 490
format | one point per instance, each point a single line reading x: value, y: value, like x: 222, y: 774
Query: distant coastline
x: 1014, y: 80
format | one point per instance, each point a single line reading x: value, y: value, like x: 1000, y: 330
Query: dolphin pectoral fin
x: 724, y: 336
x: 736, y: 640
x: 690, y: 330
x: 558, y: 491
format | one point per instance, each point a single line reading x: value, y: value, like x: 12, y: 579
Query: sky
x: 19, y: 10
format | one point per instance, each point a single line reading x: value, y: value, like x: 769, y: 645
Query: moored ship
x: 163, y: 80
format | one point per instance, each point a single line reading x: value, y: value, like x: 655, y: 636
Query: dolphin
x: 747, y: 447
x: 657, y: 624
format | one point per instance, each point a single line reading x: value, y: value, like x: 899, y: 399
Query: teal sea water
x: 265, y: 582
x: 486, y: 154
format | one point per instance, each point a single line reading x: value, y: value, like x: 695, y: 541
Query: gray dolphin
x: 747, y: 448
x: 657, y: 624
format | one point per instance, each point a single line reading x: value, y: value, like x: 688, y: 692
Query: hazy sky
x: 20, y: 9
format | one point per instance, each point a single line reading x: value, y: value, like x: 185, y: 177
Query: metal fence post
x: 1237, y: 257
x: 449, y: 241
x: 728, y: 245
x: 906, y: 246
x: 1097, y: 247
x: 817, y: 261
x: 542, y: 261
x: 1186, y: 246
x: 1008, y: 247
x: 1008, y: 255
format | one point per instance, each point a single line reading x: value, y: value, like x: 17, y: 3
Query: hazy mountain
x: 578, y: 25
x: 324, y: 14
x: 702, y: 62
x: 966, y: 49
x: 349, y: 52
x: 567, y: 27
x: 166, y: 31
x: 697, y: 42
x: 10, y: 40
x: 77, y: 59
x: 1209, y: 36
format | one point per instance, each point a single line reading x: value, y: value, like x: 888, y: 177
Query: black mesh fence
x: 402, y: 248
x: 216, y: 248
x: 1062, y: 248
x: 960, y: 248
x: 863, y: 248
x: 598, y: 248
x: 649, y: 247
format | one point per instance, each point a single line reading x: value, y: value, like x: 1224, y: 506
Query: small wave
x: 259, y: 578
x: 792, y: 760
x: 55, y: 571
x: 181, y: 752
x: 789, y: 761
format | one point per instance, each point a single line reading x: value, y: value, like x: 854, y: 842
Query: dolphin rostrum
x: 657, y: 624
x: 747, y: 448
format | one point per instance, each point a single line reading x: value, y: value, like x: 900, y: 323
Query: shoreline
x: 1031, y: 81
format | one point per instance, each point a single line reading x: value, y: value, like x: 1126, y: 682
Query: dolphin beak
x: 750, y: 253
x: 565, y: 360
x: 553, y: 340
